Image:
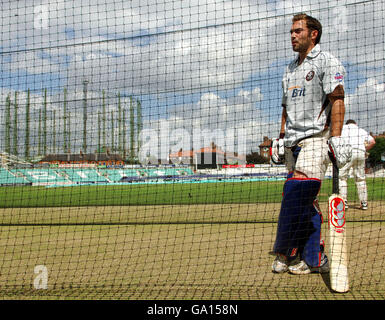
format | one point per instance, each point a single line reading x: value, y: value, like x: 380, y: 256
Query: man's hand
x: 340, y: 150
x: 277, y: 151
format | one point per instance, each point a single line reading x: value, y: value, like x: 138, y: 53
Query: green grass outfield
x: 172, y: 241
x: 167, y: 194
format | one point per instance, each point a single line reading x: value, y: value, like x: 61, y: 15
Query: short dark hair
x: 350, y: 121
x: 311, y: 24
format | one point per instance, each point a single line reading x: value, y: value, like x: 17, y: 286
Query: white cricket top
x: 305, y: 89
x: 356, y: 136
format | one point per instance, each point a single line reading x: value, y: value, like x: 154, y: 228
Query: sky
x: 195, y: 65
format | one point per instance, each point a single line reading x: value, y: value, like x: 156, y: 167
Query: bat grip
x: 336, y: 187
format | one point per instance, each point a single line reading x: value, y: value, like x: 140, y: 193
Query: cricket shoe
x: 303, y: 268
x: 346, y: 204
x: 280, y: 264
x: 364, y: 205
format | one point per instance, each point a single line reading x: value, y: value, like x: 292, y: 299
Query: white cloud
x: 367, y: 106
x: 200, y: 48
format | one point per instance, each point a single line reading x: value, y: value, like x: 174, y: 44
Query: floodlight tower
x: 85, y: 82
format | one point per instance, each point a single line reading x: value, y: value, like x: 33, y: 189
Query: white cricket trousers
x: 313, y: 159
x: 357, y: 164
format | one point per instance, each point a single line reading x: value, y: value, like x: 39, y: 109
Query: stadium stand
x: 9, y: 178
x: 40, y: 176
x: 78, y: 175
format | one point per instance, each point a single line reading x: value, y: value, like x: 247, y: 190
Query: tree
x: 376, y: 152
x: 255, y: 158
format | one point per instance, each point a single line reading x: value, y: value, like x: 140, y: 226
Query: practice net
x: 135, y: 147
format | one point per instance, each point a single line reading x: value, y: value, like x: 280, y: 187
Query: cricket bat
x: 339, y: 280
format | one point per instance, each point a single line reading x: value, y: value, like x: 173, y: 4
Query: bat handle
x: 336, y: 187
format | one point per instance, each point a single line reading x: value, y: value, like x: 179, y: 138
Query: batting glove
x: 277, y: 151
x: 340, y: 150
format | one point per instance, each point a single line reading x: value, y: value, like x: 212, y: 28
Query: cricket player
x: 313, y: 112
x: 361, y: 142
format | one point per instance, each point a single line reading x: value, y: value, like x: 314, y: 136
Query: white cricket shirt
x: 356, y: 136
x: 305, y: 89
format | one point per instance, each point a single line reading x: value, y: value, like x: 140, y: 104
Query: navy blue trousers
x: 299, y: 222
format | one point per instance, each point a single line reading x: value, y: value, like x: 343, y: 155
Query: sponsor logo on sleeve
x: 339, y: 77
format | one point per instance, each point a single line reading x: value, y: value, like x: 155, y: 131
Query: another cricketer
x: 361, y: 142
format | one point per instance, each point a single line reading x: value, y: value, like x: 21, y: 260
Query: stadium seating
x: 80, y: 175
x: 8, y: 178
x: 73, y: 176
x: 38, y: 176
x: 115, y: 175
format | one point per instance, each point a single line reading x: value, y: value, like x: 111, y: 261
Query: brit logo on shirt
x: 339, y: 77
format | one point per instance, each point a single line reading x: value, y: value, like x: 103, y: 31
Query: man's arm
x: 370, y: 144
x: 338, y: 110
x: 340, y: 150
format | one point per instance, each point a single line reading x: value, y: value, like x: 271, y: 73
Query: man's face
x: 301, y: 37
